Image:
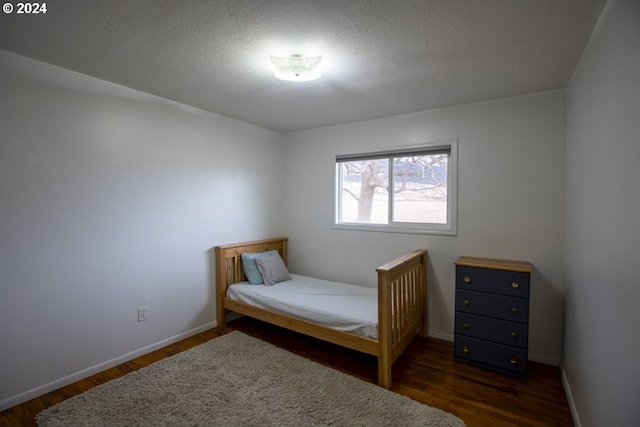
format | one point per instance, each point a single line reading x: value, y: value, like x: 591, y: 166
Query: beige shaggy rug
x: 238, y: 380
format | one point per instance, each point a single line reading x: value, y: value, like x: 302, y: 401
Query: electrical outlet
x: 142, y: 313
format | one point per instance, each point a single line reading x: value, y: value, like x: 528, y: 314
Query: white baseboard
x: 544, y: 359
x: 69, y: 379
x: 446, y: 337
x: 572, y: 403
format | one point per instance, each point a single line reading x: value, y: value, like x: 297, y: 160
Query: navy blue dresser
x: 492, y: 314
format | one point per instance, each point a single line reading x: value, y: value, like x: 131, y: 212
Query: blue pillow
x: 251, y: 269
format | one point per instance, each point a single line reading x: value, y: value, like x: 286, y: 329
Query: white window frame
x: 449, y: 229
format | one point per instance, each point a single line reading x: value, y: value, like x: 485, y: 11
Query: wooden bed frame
x: 401, y: 303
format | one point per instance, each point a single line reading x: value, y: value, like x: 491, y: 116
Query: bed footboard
x: 401, y: 308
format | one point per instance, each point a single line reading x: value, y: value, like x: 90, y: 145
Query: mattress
x: 341, y: 306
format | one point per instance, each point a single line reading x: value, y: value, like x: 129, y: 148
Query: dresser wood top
x: 495, y: 264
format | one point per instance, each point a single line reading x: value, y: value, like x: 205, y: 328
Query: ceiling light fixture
x: 297, y: 68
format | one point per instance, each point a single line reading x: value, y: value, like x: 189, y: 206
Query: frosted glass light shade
x: 297, y: 68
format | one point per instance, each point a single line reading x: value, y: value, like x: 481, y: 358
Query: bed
x: 397, y: 319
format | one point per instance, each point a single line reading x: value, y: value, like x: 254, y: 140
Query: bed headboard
x: 229, y: 265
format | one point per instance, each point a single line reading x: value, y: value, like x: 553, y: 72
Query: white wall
x: 511, y: 203
x: 111, y: 199
x: 602, y: 243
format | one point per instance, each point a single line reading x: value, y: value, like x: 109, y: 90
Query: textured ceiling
x: 380, y: 58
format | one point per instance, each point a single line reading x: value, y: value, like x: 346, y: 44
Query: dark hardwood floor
x: 425, y: 372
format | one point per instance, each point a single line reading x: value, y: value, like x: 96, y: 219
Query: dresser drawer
x: 511, y: 283
x: 491, y: 355
x: 491, y: 305
x: 490, y: 329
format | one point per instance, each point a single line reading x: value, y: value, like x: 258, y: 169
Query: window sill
x: 384, y: 228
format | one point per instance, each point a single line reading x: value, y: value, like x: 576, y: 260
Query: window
x: 410, y: 190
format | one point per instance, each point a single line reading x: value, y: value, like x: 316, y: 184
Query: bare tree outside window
x: 419, y: 184
x: 361, y: 182
x: 420, y: 189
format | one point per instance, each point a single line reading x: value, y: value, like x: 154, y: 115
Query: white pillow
x: 272, y: 269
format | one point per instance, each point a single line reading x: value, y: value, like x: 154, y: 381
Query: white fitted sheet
x: 341, y: 306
